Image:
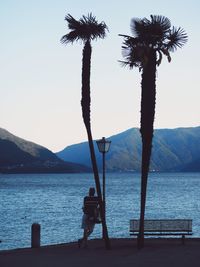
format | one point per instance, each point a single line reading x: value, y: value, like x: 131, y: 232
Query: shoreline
x: 158, y: 252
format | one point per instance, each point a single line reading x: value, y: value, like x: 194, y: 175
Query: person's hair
x: 91, y: 191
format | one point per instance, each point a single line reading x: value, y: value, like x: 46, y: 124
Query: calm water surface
x: 55, y: 201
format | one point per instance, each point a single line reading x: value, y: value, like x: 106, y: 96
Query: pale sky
x: 40, y: 84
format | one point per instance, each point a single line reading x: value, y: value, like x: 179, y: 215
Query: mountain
x: 173, y: 150
x: 192, y: 166
x: 19, y: 155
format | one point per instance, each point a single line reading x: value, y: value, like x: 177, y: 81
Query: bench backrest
x: 173, y: 225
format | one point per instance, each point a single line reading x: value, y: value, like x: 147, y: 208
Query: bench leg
x: 183, y: 239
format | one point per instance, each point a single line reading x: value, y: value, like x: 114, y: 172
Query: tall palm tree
x: 151, y: 39
x: 85, y: 30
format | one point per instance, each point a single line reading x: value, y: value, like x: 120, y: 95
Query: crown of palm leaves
x: 156, y: 34
x: 86, y: 28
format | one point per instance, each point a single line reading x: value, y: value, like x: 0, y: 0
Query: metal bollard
x: 35, y: 235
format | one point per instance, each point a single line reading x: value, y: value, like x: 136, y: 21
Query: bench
x: 164, y: 227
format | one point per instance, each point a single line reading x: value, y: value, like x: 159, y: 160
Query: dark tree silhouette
x: 151, y: 39
x: 85, y: 30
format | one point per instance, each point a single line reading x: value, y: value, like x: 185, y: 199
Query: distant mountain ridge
x: 173, y: 150
x: 19, y: 155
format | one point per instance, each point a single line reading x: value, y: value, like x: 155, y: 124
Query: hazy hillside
x: 12, y: 154
x: 192, y: 166
x: 19, y: 155
x: 173, y: 150
x: 31, y: 148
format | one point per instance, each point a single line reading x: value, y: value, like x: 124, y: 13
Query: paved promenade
x: 124, y: 253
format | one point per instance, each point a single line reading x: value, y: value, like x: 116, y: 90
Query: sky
x: 40, y: 84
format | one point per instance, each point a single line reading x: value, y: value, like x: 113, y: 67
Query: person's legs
x: 84, y: 227
x: 85, y: 237
x: 87, y: 232
x: 90, y: 229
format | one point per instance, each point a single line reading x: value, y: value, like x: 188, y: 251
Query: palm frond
x: 159, y: 60
x: 134, y: 51
x: 69, y: 38
x: 124, y: 63
x: 124, y: 35
x: 91, y: 28
x: 176, y: 38
x: 166, y: 53
x: 73, y: 24
x: 130, y: 65
x: 137, y: 27
x: 74, y: 35
x: 161, y: 22
x: 89, y: 19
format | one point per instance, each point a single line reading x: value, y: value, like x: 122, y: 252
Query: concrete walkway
x: 124, y: 253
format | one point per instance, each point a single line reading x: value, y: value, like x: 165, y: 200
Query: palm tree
x: 151, y: 39
x: 85, y: 30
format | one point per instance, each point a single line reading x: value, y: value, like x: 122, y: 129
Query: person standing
x: 89, y: 218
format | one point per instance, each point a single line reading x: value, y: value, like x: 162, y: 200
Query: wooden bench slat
x: 162, y: 234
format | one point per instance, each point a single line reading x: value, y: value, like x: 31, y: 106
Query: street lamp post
x: 103, y: 146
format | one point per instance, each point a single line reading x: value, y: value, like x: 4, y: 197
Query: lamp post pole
x: 104, y: 184
x: 103, y: 146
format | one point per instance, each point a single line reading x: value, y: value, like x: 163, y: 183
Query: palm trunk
x: 85, y: 103
x: 147, y: 120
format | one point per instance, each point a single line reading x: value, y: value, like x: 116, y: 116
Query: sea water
x: 55, y: 202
